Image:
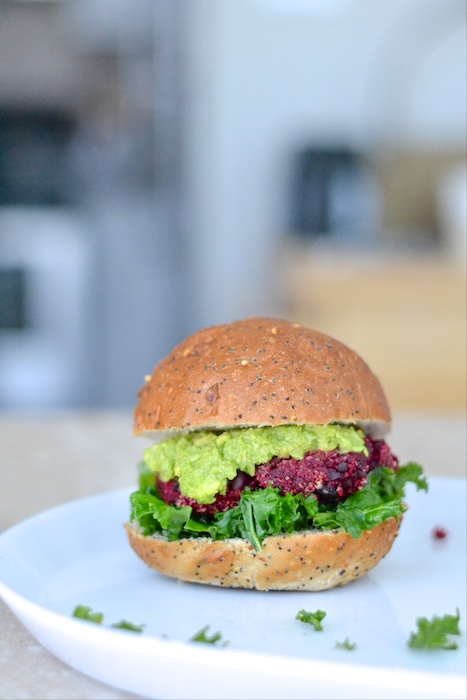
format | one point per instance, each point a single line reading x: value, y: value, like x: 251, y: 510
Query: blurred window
x: 33, y: 157
x: 12, y: 298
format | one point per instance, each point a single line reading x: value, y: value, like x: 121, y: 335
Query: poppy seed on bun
x: 308, y: 561
x: 260, y: 372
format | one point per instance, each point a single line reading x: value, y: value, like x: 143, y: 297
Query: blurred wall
x: 187, y: 117
x: 267, y: 78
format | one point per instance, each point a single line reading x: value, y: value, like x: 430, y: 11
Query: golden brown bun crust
x: 308, y: 561
x: 256, y: 372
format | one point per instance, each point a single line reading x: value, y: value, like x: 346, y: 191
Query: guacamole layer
x: 204, y: 462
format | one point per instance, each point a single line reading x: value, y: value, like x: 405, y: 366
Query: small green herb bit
x: 312, y: 618
x: 126, y: 625
x: 203, y: 637
x: 433, y: 634
x: 346, y: 644
x: 84, y: 612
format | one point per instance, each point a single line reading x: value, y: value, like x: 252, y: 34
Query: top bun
x: 260, y: 372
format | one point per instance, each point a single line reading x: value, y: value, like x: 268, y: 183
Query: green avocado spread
x: 204, y: 462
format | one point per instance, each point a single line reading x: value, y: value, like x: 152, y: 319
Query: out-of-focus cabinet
x: 405, y: 314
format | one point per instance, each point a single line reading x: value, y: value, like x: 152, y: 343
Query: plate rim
x: 25, y: 609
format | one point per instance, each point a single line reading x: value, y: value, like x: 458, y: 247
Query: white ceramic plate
x: 78, y: 554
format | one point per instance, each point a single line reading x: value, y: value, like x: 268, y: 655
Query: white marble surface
x: 56, y: 458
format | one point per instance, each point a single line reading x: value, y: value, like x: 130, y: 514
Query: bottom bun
x: 309, y: 561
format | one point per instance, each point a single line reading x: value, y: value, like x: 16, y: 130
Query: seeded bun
x: 263, y: 372
x: 260, y: 372
x: 307, y: 561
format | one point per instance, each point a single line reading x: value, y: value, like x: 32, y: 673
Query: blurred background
x: 171, y: 164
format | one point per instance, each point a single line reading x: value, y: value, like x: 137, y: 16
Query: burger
x: 267, y: 465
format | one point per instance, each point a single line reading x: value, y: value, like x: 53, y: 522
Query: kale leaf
x: 266, y: 512
x: 381, y: 498
x: 205, y: 638
x: 435, y: 633
x: 312, y: 618
x: 84, y: 612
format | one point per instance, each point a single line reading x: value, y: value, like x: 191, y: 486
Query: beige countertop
x: 53, y: 459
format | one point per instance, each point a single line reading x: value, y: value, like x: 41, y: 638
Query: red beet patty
x: 331, y: 476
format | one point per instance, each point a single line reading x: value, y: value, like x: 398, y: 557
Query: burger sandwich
x: 268, y: 466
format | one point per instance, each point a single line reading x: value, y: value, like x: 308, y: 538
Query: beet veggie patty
x: 330, y: 476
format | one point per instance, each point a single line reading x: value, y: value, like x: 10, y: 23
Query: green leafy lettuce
x: 380, y: 499
x: 127, y: 625
x: 346, y: 644
x: 312, y: 618
x: 435, y: 633
x: 266, y: 512
x: 84, y: 612
x: 205, y: 638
